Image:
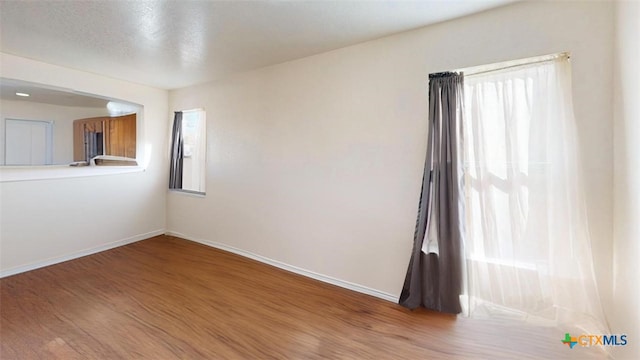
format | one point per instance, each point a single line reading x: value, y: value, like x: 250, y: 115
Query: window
x: 188, y: 155
x: 502, y: 198
x: 526, y: 235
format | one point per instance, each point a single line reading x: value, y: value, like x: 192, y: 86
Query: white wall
x: 626, y: 285
x: 317, y: 163
x: 44, y: 221
x: 62, y: 117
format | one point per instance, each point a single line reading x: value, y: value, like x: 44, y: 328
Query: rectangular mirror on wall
x: 44, y: 125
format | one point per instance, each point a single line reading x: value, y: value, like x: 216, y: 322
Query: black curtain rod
x: 443, y: 74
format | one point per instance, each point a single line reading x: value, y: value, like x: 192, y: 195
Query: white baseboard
x: 291, y: 268
x: 79, y: 254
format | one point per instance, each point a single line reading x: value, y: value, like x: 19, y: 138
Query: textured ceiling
x: 172, y: 44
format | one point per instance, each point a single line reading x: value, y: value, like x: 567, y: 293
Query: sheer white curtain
x: 527, y: 241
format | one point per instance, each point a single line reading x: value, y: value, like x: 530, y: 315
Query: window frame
x: 201, y: 148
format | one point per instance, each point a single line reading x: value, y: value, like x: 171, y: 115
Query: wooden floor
x: 168, y: 298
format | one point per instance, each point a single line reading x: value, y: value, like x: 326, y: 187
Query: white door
x: 28, y: 142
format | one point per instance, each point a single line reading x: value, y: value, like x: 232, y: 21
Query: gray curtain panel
x: 177, y: 150
x: 434, y: 277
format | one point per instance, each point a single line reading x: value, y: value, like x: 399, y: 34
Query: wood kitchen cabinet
x: 104, y: 136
